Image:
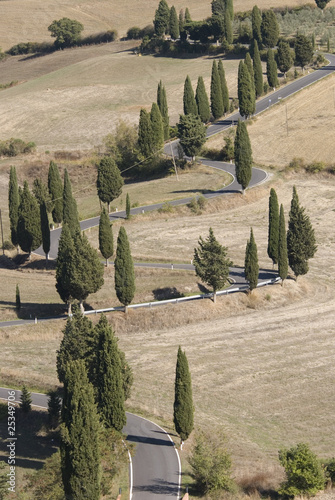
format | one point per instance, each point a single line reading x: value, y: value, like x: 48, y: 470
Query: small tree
x: 144, y: 134
x: 248, y: 63
x: 45, y: 230
x: 245, y: 91
x: 271, y: 69
x: 54, y: 408
x: 228, y: 27
x: 174, y: 24
x: 106, y: 244
x: 157, y: 137
x: 256, y: 21
x: 303, y: 471
x: 162, y: 18
x: 66, y: 31
x: 163, y: 108
x: 251, y: 268
x: 258, y: 71
x: 187, y: 16
x: 17, y: 298
x: 183, y: 409
x: 192, y: 134
x: 70, y: 211
x: 190, y: 105
x: 64, y: 257
x: 13, y: 205
x: 109, y: 181
x: 273, y: 234
x: 303, y: 50
x: 211, y: 262
x: 25, y: 400
x: 55, y: 187
x: 124, y: 270
x: 269, y: 28
x: 243, y: 155
x: 202, y: 101
x: 127, y: 206
x: 216, y: 93
x: 282, y: 247
x: 284, y: 57
x: 29, y: 223
x: 224, y: 87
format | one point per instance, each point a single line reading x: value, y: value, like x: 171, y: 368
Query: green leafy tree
x: 64, y: 257
x: 224, y: 87
x: 162, y: 18
x: 191, y: 134
x: 269, y: 29
x: 25, y: 400
x: 127, y: 206
x: 17, y: 298
x: 321, y: 3
x: 303, y: 50
x: 282, y: 247
x: 106, y: 244
x: 202, y: 101
x: 163, y: 108
x: 122, y: 145
x: 55, y: 186
x: 183, y: 409
x: 273, y: 234
x: 211, y: 463
x: 190, y: 105
x: 13, y: 205
x: 303, y: 471
x: 248, y: 63
x: 301, y: 244
x: 109, y: 181
x: 70, y: 211
x: 218, y: 7
x: 124, y: 270
x: 256, y: 21
x: 66, y: 31
x: 271, y: 69
x: 284, y: 57
x: 251, y: 268
x: 29, y: 223
x: 174, y: 24
x: 243, y: 155
x: 245, y: 91
x: 216, y: 93
x: 144, y: 134
x: 157, y: 137
x: 228, y: 27
x: 79, y: 448
x: 211, y: 263
x: 45, y: 230
x: 54, y: 409
x: 108, y: 378
x: 258, y: 71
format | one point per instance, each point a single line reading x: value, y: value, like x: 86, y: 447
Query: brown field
x: 27, y: 21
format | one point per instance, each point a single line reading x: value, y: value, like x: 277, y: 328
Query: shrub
x: 165, y: 208
x: 134, y: 33
x: 14, y: 147
x: 315, y: 167
x: 296, y: 164
x: 7, y: 245
x: 330, y: 470
x: 303, y: 470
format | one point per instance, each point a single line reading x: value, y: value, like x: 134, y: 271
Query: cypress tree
x: 301, y: 244
x: 77, y: 342
x: 269, y: 29
x: 174, y: 24
x: 271, y: 69
x: 144, y: 134
x: 127, y: 206
x: 250, y: 67
x: 246, y: 94
x: 211, y: 263
x: 224, y: 87
x: 321, y: 3
x: 216, y: 93
x: 108, y: 378
x: 218, y: 7
x: 251, y: 268
x: 157, y: 137
x: 80, y: 454
x: 229, y: 6
x: 258, y: 71
x: 64, y: 257
x: 303, y: 50
x: 109, y: 180
x: 45, y: 230
x: 17, y: 298
x: 187, y: 16
x: 13, y: 205
x: 273, y: 234
x: 162, y: 18
x: 282, y: 247
x: 70, y: 211
x: 228, y: 28
x: 163, y: 108
x: 29, y: 223
x: 25, y: 400
x: 284, y: 57
x: 183, y: 409
x: 191, y: 134
x: 55, y: 187
x: 190, y: 106
x: 202, y: 101
x: 243, y: 155
x: 54, y: 409
x: 181, y: 20
x: 124, y: 270
x: 106, y: 245
x: 256, y: 21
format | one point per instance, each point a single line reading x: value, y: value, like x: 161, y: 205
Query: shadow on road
x: 146, y: 440
x: 160, y: 487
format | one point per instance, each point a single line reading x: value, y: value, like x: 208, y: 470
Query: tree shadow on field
x: 203, y: 288
x: 168, y: 292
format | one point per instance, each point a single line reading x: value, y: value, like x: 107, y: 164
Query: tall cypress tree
x: 256, y: 21
x: 157, y: 137
x: 271, y: 69
x: 108, y: 377
x: 29, y: 222
x: 229, y: 6
x: 109, y: 180
x: 144, y: 134
x: 190, y: 106
x: 301, y: 244
x: 127, y: 206
x: 106, y: 245
x: 246, y: 95
x: 228, y: 28
x: 258, y: 71
x: 70, y: 211
x: 45, y: 229
x: 273, y: 234
x: 183, y: 409
x: 216, y: 93
x: 124, y: 270
x: 243, y: 155
x: 224, y: 87
x: 282, y: 247
x: 55, y: 187
x: 269, y: 29
x: 64, y: 257
x: 163, y: 108
x: 251, y: 268
x: 80, y: 455
x: 13, y: 205
x: 187, y: 16
x: 250, y: 67
x: 181, y: 20
x: 284, y: 57
x: 202, y: 101
x: 174, y: 24
x: 162, y: 18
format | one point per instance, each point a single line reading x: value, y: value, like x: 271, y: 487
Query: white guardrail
x: 182, y: 299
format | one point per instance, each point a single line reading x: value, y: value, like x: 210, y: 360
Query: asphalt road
x: 155, y: 458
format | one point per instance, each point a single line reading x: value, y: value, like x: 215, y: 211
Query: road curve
x: 155, y: 457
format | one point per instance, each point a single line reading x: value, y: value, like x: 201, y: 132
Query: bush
x: 315, y: 167
x: 14, y: 147
x: 303, y: 470
x: 134, y: 33
x: 330, y: 470
x: 165, y: 208
x: 296, y: 164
